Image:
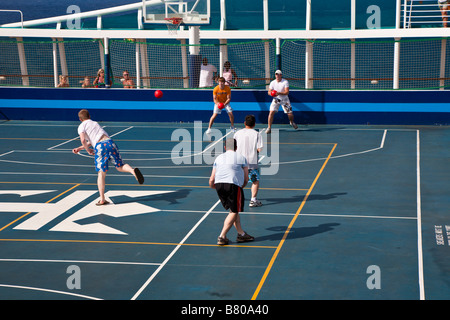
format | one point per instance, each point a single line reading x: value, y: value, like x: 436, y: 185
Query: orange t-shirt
x: 221, y: 95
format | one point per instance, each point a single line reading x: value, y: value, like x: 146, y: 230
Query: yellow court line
x: 277, y: 251
x: 23, y: 216
x: 137, y: 242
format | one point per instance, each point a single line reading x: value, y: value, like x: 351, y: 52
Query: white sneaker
x: 255, y: 203
x: 233, y: 129
x: 208, y: 131
x: 268, y: 130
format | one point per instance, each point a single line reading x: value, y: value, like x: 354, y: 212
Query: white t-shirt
x: 248, y: 141
x: 229, y: 168
x: 206, y: 75
x: 228, y: 76
x: 93, y: 131
x: 279, y: 87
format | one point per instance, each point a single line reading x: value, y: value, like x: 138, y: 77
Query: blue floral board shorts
x: 104, y: 151
x: 253, y: 175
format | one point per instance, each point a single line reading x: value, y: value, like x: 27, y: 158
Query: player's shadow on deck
x: 297, y: 233
x: 172, y: 197
x: 299, y: 198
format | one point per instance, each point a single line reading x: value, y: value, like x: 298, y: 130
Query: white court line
x: 47, y: 164
x: 90, y: 166
x: 172, y: 158
x: 4, y: 154
x: 150, y: 279
x: 419, y: 222
x: 95, y: 175
x: 51, y: 148
x: 111, y: 125
x: 49, y: 290
x: 122, y: 151
x: 193, y: 166
x: 342, y: 155
x: 63, y: 143
x: 154, y: 274
x: 356, y: 216
x: 145, y: 285
x: 151, y: 167
x: 115, y: 134
x: 81, y: 261
x: 293, y: 214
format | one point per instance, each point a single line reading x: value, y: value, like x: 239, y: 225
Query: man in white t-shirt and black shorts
x: 249, y: 144
x: 228, y: 177
x: 92, y: 134
x: 279, y: 90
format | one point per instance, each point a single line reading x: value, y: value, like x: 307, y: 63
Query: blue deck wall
x: 310, y: 107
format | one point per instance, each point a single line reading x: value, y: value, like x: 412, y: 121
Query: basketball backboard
x: 193, y: 12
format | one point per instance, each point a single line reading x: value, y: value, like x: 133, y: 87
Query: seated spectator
x: 127, y: 81
x: 443, y: 6
x: 99, y: 81
x: 63, y: 82
x: 229, y: 75
x: 86, y: 83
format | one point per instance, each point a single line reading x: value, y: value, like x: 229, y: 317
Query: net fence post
x: 194, y: 56
x: 138, y: 63
x: 396, y: 73
x: 442, y: 64
x: 107, y: 64
x: 23, y: 62
x: 55, y: 62
x: 398, y: 14
x: 308, y: 64
x: 184, y: 63
x: 223, y: 55
x: 278, y: 53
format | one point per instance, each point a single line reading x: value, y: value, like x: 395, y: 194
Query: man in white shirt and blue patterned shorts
x: 92, y: 134
x: 279, y: 90
x: 249, y: 144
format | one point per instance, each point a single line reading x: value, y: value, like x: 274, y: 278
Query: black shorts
x: 231, y: 196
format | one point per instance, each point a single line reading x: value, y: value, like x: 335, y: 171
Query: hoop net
x: 173, y: 23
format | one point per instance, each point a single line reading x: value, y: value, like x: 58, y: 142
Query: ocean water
x: 283, y: 14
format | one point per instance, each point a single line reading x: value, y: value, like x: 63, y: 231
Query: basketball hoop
x: 173, y: 23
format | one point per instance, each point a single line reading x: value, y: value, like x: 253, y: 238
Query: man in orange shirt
x: 221, y: 94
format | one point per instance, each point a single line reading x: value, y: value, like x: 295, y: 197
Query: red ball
x: 158, y: 94
x: 220, y: 105
x: 273, y: 93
